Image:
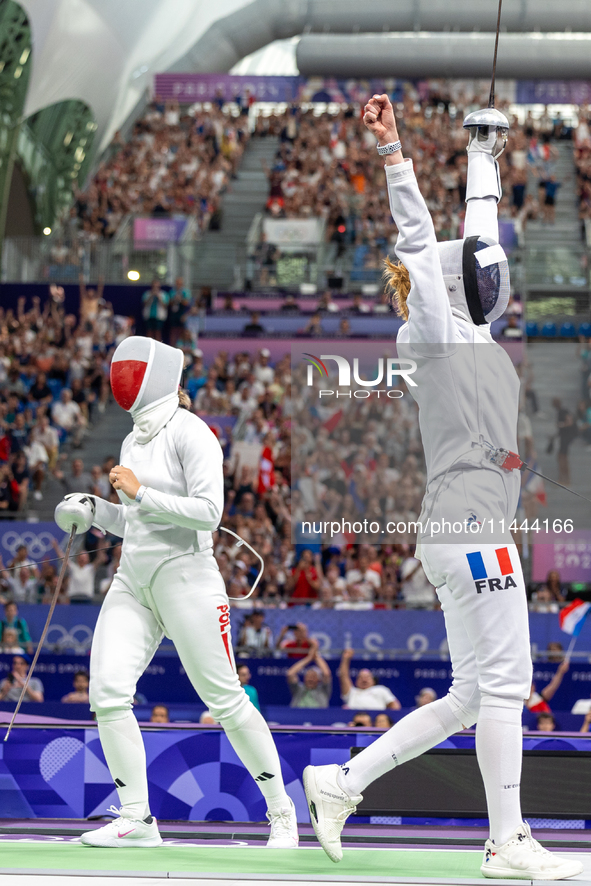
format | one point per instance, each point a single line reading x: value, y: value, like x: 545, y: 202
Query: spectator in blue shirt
x: 244, y: 676
x: 13, y: 620
x: 551, y: 187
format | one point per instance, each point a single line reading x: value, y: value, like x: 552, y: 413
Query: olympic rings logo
x: 69, y: 639
x: 37, y: 544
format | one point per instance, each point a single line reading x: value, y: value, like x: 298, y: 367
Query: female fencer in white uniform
x: 467, y: 391
x: 170, y: 484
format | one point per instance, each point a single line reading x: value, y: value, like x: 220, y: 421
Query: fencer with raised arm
x: 467, y: 391
x: 170, y: 485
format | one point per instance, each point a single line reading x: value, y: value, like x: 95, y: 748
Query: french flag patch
x: 478, y: 569
x: 480, y: 573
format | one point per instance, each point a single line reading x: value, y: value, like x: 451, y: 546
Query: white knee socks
x: 255, y: 746
x: 413, y: 735
x: 125, y: 754
x: 499, y: 748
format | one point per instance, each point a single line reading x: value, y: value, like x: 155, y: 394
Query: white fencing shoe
x: 284, y: 828
x: 522, y: 858
x: 127, y: 832
x: 329, y: 807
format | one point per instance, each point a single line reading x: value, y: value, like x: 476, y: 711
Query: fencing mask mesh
x: 481, y: 286
x: 143, y: 371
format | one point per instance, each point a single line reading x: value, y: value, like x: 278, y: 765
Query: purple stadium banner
x: 570, y: 555
x: 189, y: 88
x: 207, y: 87
x: 157, y: 230
x: 549, y: 92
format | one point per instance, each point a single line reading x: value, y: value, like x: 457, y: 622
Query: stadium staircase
x: 567, y: 228
x: 554, y: 253
x: 221, y: 254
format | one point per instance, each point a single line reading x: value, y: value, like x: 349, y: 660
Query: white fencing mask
x: 476, y: 274
x: 145, y: 377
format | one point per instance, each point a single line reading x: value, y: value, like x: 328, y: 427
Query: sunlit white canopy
x: 105, y: 52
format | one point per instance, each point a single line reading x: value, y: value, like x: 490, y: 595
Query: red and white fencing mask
x: 144, y: 371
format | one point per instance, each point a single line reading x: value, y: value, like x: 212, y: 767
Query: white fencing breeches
x: 487, y: 624
x: 187, y: 601
x: 488, y: 635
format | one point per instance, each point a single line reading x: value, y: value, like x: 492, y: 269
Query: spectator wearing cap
x: 256, y: 637
x: 11, y: 686
x: 315, y: 689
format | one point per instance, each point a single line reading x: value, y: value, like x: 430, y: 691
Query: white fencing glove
x: 76, y: 509
x: 486, y: 127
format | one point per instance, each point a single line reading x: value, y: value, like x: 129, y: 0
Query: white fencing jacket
x: 182, y: 469
x: 467, y: 387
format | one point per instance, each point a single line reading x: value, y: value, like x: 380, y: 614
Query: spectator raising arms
x: 365, y: 694
x: 315, y: 689
x: 538, y: 702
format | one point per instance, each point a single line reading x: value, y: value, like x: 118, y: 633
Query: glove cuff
x: 483, y: 177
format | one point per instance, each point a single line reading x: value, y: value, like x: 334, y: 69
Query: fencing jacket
x: 182, y: 469
x: 467, y: 389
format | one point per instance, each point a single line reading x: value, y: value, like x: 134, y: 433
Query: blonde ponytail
x: 184, y: 400
x: 398, y: 283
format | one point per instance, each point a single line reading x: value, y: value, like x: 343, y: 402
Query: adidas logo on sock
x: 119, y: 783
x: 264, y: 776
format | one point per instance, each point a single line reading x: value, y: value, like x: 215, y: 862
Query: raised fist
x: 378, y: 116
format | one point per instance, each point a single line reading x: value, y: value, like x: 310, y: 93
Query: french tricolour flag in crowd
x: 573, y: 616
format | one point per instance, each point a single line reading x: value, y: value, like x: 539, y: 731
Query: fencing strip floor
x: 69, y: 863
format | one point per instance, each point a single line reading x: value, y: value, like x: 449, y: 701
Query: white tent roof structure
x: 105, y: 52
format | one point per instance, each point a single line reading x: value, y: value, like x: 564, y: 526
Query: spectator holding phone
x: 299, y: 645
x: 11, y: 686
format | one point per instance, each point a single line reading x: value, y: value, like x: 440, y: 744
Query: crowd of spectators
x: 362, y: 460
x: 53, y: 386
x: 327, y: 167
x: 177, y: 161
